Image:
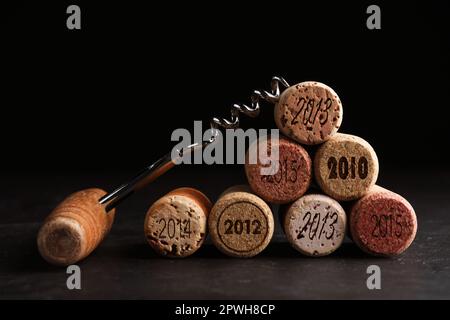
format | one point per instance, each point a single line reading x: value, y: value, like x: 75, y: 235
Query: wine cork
x: 383, y: 223
x: 240, y: 224
x: 315, y: 225
x: 74, y: 228
x: 309, y: 112
x: 175, y: 225
x: 293, y: 175
x: 345, y: 167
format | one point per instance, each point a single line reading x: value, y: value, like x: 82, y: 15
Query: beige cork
x: 74, y: 228
x: 240, y: 224
x: 309, y: 112
x: 175, y: 225
x: 315, y: 225
x: 346, y: 167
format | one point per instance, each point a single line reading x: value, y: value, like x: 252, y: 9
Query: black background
x: 91, y: 107
x: 110, y: 95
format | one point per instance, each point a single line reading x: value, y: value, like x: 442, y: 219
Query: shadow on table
x: 26, y: 258
x: 277, y: 250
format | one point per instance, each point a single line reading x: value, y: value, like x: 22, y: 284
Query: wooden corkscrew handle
x: 75, y: 228
x: 78, y: 224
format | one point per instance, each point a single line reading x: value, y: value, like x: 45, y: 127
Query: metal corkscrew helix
x: 166, y: 162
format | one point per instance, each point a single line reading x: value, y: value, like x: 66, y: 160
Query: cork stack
x: 345, y: 168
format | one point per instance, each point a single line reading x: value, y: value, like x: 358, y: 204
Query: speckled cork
x: 309, y: 112
x: 383, y: 223
x: 240, y: 223
x: 315, y: 225
x: 292, y: 178
x: 74, y: 228
x: 345, y: 167
x: 176, y: 224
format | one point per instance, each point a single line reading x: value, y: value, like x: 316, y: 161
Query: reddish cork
x: 383, y: 223
x: 292, y: 178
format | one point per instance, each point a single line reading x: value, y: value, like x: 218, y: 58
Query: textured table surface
x: 125, y: 267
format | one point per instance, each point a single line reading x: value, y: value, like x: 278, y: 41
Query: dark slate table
x: 125, y: 267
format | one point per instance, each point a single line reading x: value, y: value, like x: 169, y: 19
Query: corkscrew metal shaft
x: 166, y: 162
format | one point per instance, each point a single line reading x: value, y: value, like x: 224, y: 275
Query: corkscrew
x: 166, y: 162
x: 79, y: 223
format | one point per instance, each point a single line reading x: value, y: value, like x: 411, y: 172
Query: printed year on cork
x: 346, y: 167
x: 315, y: 224
x: 292, y: 176
x: 382, y: 223
x: 309, y: 112
x: 240, y: 223
x: 176, y: 224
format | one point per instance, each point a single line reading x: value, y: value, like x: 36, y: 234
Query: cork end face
x: 315, y: 225
x: 309, y: 112
x: 176, y: 225
x: 285, y: 182
x: 383, y: 224
x: 240, y: 224
x: 60, y: 241
x: 346, y: 167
